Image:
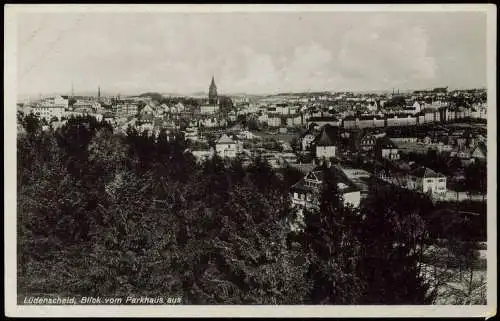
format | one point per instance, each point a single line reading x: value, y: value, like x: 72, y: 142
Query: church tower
x: 212, y: 93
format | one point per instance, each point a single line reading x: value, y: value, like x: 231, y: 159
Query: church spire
x: 212, y: 92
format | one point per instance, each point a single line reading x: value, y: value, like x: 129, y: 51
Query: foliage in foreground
x: 105, y: 214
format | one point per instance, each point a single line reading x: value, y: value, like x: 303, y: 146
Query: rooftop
x: 323, y: 118
x: 345, y: 185
x: 425, y: 172
x: 225, y: 139
x: 328, y: 136
x: 385, y: 142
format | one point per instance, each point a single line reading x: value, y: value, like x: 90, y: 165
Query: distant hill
x: 152, y: 95
x: 311, y: 93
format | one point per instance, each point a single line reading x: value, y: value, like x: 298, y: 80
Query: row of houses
x: 396, y: 120
x: 319, y: 118
x: 325, y: 145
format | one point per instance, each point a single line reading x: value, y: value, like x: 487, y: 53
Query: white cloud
x: 394, y: 52
x: 251, y: 52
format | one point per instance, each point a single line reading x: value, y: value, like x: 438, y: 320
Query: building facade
x: 228, y: 146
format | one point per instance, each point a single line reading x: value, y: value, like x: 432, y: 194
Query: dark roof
x: 482, y: 147
x: 227, y: 139
x: 324, y: 118
x: 349, y: 185
x: 328, y: 136
x: 385, y: 142
x: 425, y: 172
x: 349, y: 118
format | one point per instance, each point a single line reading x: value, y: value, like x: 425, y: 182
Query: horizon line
x: 270, y: 93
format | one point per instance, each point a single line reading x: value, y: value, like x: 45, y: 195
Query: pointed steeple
x: 212, y: 93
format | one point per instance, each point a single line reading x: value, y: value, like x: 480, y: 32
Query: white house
x: 127, y: 109
x: 326, y: 145
x: 228, y: 146
x: 273, y: 120
x: 425, y: 180
x: 86, y: 106
x: 386, y: 149
x: 209, y: 109
x: 51, y: 107
x: 306, y: 193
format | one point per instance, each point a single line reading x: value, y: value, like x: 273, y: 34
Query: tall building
x: 212, y: 93
x: 99, y: 92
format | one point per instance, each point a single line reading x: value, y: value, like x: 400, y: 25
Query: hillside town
x: 423, y: 141
x: 427, y: 145
x: 264, y: 157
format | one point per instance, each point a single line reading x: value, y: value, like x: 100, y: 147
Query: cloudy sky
x: 249, y: 52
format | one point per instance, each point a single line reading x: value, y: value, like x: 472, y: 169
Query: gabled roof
x: 225, y: 139
x: 425, y: 172
x: 328, y: 136
x: 482, y: 147
x: 345, y: 185
x: 385, y: 142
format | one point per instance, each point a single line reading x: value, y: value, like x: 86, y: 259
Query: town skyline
x: 35, y: 96
x: 293, y: 52
x: 251, y: 155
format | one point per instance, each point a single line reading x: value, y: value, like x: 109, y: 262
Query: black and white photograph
x: 250, y: 160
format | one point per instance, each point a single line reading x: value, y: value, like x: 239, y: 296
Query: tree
x: 107, y: 153
x: 393, y: 235
x: 238, y: 255
x: 331, y: 239
x: 476, y: 177
x: 290, y: 177
x: 252, y: 124
x: 262, y: 175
